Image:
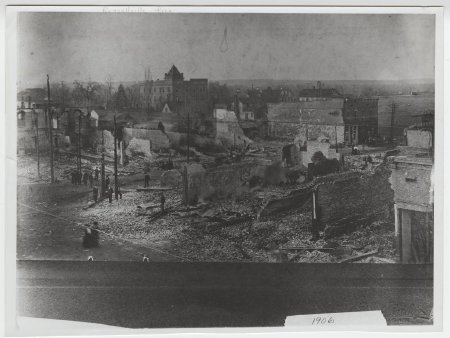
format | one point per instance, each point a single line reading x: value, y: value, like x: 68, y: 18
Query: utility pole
x: 79, y: 147
x: 186, y: 188
x: 109, y: 93
x: 50, y: 115
x: 188, y: 124
x: 102, y: 193
x: 63, y: 98
x: 62, y: 110
x: 36, y: 124
x: 116, y: 184
x: 188, y: 136
x: 392, y: 122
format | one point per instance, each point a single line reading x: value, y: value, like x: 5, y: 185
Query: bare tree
x: 60, y: 94
x: 133, y: 95
x: 83, y: 94
x: 109, y: 93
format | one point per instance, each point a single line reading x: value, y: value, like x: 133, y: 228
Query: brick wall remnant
x: 350, y: 198
x: 138, y: 147
x: 157, y: 138
x: 196, y: 182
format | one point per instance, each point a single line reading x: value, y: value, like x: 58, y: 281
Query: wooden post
x: 79, y: 147
x: 102, y: 193
x: 186, y: 189
x: 36, y: 124
x: 116, y: 183
x: 392, y: 121
x: 397, y: 220
x: 406, y: 236
x: 121, y: 152
x: 50, y: 132
x: 188, y: 131
x: 427, y: 238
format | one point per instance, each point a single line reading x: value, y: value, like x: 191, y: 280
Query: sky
x: 93, y: 46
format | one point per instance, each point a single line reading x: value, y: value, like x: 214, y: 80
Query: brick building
x: 180, y: 95
x: 318, y: 94
x: 307, y: 120
x: 361, y: 120
x: 412, y: 182
x: 31, y: 123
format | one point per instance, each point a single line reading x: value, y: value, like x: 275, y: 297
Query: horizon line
x: 432, y: 80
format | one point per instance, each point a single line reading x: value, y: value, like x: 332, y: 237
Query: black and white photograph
x: 205, y: 168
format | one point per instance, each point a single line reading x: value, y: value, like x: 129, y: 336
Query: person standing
x: 96, y: 172
x: 369, y: 162
x: 146, y: 180
x: 107, y: 181
x: 163, y: 201
x: 95, y: 193
x: 110, y: 194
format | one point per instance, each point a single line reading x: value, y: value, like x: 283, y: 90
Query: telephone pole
x: 102, y: 192
x: 36, y: 124
x: 62, y: 110
x: 116, y: 184
x: 50, y: 133
x: 188, y: 135
x: 188, y: 124
x: 79, y: 147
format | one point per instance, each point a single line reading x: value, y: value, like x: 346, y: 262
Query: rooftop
x: 316, y: 92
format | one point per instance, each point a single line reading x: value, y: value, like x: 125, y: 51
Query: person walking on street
x: 110, y: 194
x: 95, y: 193
x: 96, y: 173
x: 146, y: 180
x: 163, y: 201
